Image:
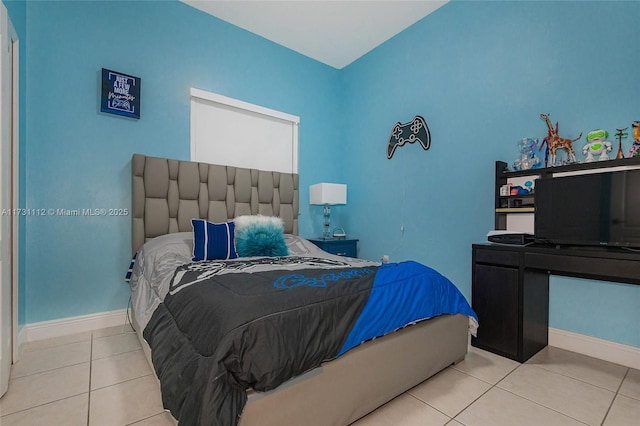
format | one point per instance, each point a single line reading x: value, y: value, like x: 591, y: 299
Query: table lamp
x: 327, y: 194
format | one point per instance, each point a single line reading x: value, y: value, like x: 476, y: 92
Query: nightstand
x: 341, y: 247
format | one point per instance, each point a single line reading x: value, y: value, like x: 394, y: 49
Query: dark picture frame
x: 120, y: 94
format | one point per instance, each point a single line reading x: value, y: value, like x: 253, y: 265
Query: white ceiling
x: 332, y: 31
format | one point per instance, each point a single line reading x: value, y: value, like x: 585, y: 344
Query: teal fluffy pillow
x: 260, y: 236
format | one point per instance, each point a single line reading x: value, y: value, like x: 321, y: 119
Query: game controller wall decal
x: 414, y: 130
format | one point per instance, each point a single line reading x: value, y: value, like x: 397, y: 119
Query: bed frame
x: 166, y: 194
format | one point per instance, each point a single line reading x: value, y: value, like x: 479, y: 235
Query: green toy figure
x: 597, y: 145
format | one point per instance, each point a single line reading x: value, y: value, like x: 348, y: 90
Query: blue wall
x: 79, y: 158
x: 479, y: 72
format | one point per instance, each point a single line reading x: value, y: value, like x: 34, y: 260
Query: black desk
x: 510, y: 289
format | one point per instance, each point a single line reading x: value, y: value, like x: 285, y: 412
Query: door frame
x: 15, y: 188
x: 9, y: 88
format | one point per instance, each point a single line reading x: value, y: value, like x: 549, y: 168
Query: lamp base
x: 327, y: 222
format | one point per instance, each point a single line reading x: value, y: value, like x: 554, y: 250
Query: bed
x: 233, y: 376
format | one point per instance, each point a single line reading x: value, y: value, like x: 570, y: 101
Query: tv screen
x: 600, y: 209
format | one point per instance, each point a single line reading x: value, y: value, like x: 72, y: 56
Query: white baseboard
x: 606, y: 350
x: 598, y: 348
x: 71, y: 325
x: 22, y: 335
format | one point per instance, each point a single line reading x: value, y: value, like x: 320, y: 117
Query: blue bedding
x: 226, y: 326
x: 402, y: 294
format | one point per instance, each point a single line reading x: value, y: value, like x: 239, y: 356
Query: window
x: 231, y: 132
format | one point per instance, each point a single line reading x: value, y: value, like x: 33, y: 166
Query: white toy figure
x: 597, y: 145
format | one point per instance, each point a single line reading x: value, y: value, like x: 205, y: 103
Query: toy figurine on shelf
x: 620, y: 135
x: 519, y: 190
x: 546, y: 151
x: 634, y: 151
x: 554, y: 142
x: 528, y: 158
x: 597, y: 145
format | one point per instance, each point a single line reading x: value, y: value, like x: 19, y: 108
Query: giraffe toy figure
x: 554, y: 142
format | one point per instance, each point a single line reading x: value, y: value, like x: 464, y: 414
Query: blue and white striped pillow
x: 127, y: 277
x: 213, y: 241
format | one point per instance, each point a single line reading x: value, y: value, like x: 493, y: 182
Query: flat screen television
x: 597, y: 209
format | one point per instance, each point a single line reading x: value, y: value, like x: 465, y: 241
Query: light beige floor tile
x: 41, y: 388
x: 631, y: 384
x: 164, y: 419
x: 37, y: 361
x: 114, y: 345
x: 582, y: 367
x: 501, y: 408
x: 450, y: 391
x: 577, y: 399
x: 125, y: 403
x: 404, y: 410
x: 66, y: 412
x: 486, y: 366
x: 56, y: 341
x: 453, y: 422
x: 118, y: 368
x: 625, y: 411
x: 112, y: 331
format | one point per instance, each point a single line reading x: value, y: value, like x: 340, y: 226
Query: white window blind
x: 231, y: 132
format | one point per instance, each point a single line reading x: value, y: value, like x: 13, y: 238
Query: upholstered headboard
x: 166, y: 194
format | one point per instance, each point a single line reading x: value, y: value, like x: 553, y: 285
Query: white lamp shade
x: 328, y: 193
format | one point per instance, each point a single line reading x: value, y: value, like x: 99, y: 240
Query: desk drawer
x: 497, y: 257
x: 347, y: 248
x: 599, y: 268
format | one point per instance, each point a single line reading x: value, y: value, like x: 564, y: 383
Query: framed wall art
x: 120, y: 94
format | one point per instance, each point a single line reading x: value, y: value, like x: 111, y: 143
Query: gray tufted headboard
x: 166, y: 194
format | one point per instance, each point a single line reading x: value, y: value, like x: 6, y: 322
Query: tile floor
x: 102, y: 378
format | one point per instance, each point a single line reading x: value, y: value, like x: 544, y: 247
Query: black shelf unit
x: 514, y: 204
